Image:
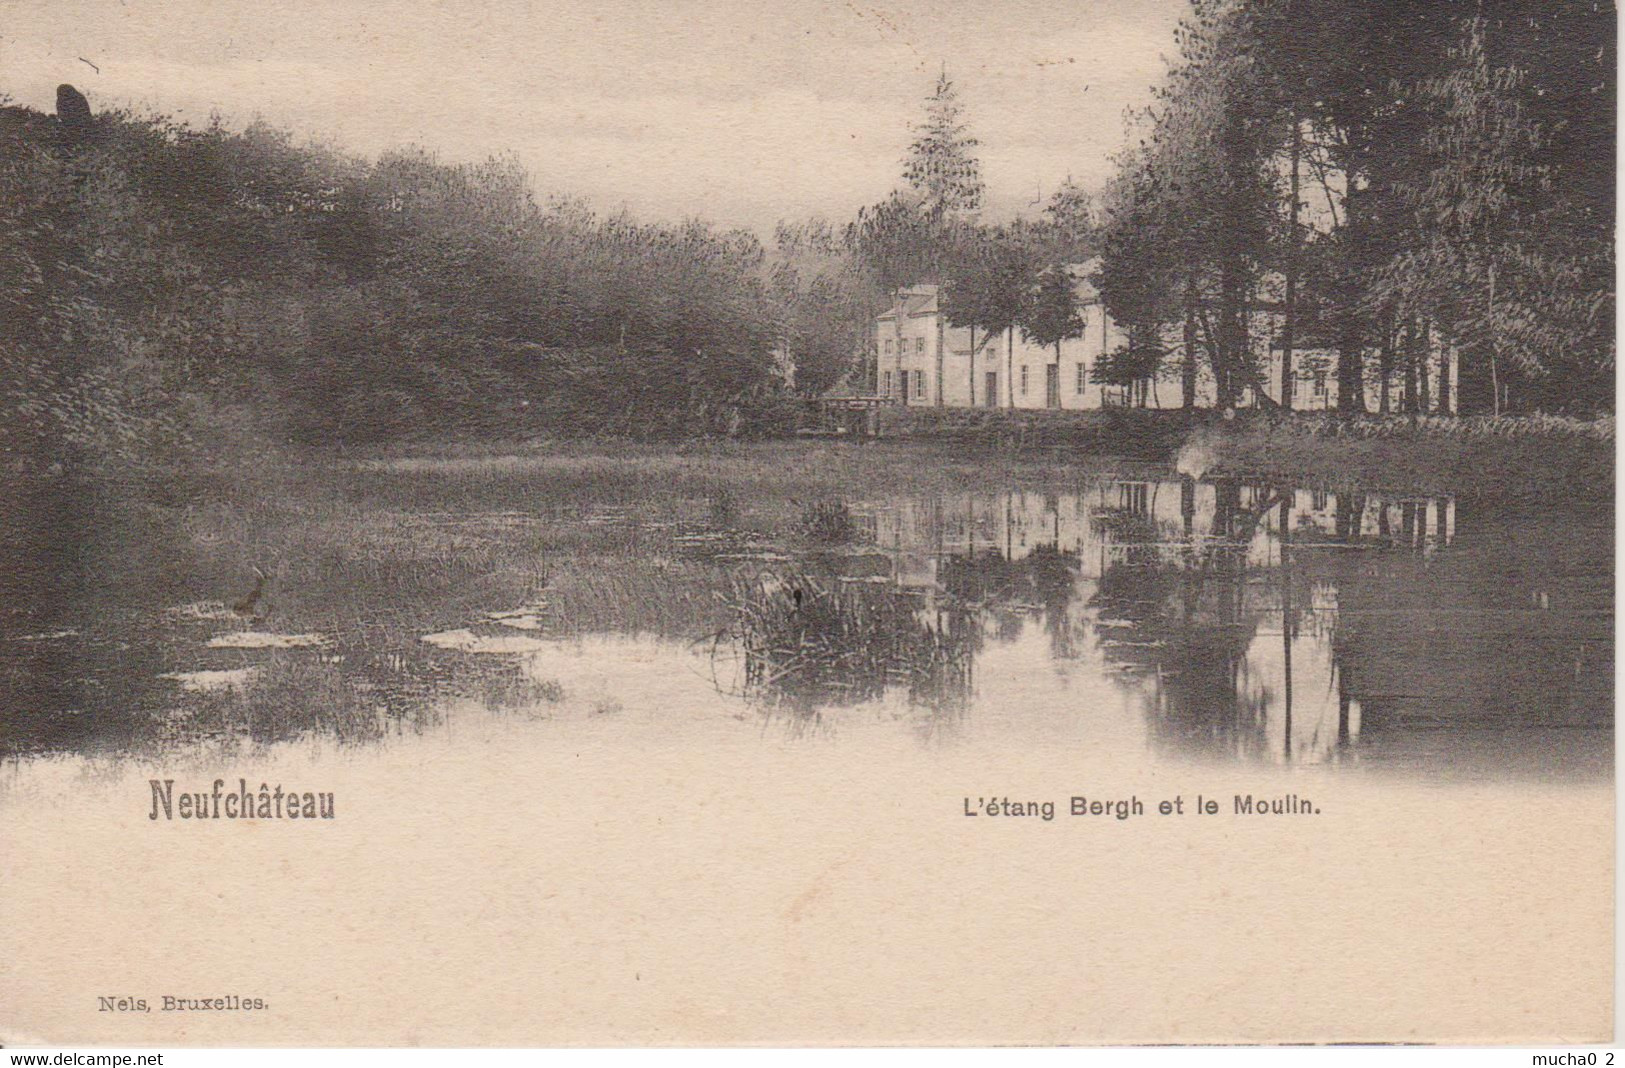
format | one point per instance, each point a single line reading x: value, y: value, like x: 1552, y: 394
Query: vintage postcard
x: 538, y: 523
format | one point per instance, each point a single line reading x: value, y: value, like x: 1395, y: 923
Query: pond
x: 850, y: 599
x: 622, y: 748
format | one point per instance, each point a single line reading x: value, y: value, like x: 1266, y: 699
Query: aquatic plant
x: 828, y: 521
x: 811, y: 639
x: 289, y: 696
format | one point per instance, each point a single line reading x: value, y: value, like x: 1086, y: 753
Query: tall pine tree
x: 941, y: 165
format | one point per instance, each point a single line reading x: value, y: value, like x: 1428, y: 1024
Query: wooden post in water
x: 1286, y: 614
x: 1342, y: 704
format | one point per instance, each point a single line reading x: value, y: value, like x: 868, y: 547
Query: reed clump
x: 828, y: 521
x: 814, y: 639
x: 289, y: 697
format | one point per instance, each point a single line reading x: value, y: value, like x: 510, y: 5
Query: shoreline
x: 1505, y: 458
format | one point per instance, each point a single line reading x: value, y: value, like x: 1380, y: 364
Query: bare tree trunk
x: 1410, y: 405
x: 1230, y: 332
x: 1233, y: 280
x: 971, y: 381
x: 1424, y: 343
x: 1351, y: 367
x: 941, y: 339
x: 1444, y: 378
x: 1351, y: 340
x: 1188, y: 377
x: 1010, y: 364
x: 1289, y: 324
x: 1495, y: 378
x: 1385, y: 368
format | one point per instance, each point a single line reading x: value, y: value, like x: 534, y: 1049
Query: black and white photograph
x: 801, y: 523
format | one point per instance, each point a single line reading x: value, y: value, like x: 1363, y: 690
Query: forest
x: 1383, y: 173
x: 1378, y: 172
x: 164, y: 282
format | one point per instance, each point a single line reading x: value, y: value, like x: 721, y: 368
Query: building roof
x: 1083, y: 280
x: 920, y: 300
x: 915, y: 300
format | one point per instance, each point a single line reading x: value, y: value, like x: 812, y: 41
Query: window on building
x: 888, y: 346
x: 1023, y: 380
x: 919, y: 346
x: 1082, y: 379
x: 887, y: 390
x: 1320, y: 384
x: 919, y: 383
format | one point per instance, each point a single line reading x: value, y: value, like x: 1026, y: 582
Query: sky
x: 742, y: 112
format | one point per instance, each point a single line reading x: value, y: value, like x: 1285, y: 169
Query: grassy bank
x: 1139, y: 433
x: 1509, y: 458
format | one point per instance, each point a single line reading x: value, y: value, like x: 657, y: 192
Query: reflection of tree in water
x: 1382, y: 633
x: 105, y: 635
x: 1512, y: 627
x: 990, y: 583
x: 1053, y: 575
x: 1250, y: 621
x: 1172, y: 606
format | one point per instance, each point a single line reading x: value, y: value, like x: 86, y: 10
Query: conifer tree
x: 941, y: 165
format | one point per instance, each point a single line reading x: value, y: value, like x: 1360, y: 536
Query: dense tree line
x: 1398, y: 179
x: 164, y: 283
x: 158, y: 280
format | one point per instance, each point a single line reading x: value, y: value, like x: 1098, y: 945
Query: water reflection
x: 1222, y: 620
x: 1259, y: 622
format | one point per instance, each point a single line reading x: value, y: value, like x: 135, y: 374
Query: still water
x: 1141, y: 618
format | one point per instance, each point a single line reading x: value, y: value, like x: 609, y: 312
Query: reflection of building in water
x: 1217, y: 624
x: 1230, y: 634
x: 920, y: 534
x: 1089, y: 521
x: 1245, y: 620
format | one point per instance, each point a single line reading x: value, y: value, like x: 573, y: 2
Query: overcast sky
x: 739, y: 111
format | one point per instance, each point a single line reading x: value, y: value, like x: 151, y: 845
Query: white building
x: 923, y: 362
